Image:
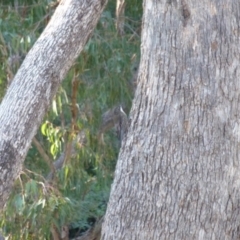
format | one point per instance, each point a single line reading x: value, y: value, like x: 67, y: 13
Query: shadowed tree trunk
x: 36, y: 82
x: 178, y: 172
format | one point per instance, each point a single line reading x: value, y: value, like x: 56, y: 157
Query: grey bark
x: 178, y: 172
x: 31, y: 91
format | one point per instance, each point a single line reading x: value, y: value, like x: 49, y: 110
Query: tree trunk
x: 36, y: 82
x: 178, y: 172
x: 120, y: 17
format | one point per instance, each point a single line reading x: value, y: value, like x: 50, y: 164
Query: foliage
x: 77, y: 192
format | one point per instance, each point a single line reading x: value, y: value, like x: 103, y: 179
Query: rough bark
x: 37, y: 80
x: 178, y: 172
x: 120, y: 17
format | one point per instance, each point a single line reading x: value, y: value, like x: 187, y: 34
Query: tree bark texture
x: 178, y: 172
x: 37, y: 80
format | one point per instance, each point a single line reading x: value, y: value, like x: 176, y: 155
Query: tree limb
x: 43, y: 154
x: 36, y: 82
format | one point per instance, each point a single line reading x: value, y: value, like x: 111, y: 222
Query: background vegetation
x: 45, y: 201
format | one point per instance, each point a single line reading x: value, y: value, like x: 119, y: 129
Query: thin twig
x: 74, y: 112
x: 43, y: 154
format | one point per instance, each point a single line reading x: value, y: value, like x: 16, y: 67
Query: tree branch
x: 36, y: 82
x: 43, y: 154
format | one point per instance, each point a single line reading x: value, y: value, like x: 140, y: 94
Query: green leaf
x: 19, y: 203
x: 59, y: 101
x: 54, y: 107
x: 44, y: 128
x: 66, y: 172
x: 53, y: 150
